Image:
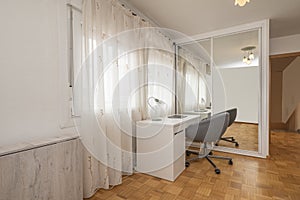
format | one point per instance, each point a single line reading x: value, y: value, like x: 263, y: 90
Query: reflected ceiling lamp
x: 241, y: 2
x: 249, y: 55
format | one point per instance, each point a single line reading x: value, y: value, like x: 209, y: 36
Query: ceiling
x: 227, y: 51
x: 280, y: 64
x: 193, y: 17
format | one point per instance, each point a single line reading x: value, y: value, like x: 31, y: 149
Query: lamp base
x: 156, y: 119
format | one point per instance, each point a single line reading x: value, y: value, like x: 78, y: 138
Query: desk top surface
x: 199, y: 112
x: 170, y: 121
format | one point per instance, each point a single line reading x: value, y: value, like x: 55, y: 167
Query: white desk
x: 204, y: 114
x: 161, y: 146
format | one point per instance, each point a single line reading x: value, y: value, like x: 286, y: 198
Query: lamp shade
x: 241, y: 2
x: 251, y: 56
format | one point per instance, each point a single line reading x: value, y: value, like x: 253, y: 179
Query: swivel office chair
x: 232, y: 116
x: 208, y: 132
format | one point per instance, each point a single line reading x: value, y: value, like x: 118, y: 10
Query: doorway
x: 284, y: 94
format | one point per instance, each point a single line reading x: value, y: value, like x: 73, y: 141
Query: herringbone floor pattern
x: 277, y: 177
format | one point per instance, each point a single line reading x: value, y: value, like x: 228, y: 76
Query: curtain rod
x: 79, y: 10
x: 74, y: 7
x: 132, y: 12
x: 139, y: 14
x: 136, y: 11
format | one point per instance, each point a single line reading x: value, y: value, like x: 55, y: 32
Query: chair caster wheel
x: 187, y: 164
x: 187, y: 153
x: 217, y: 171
x: 230, y: 162
x: 236, y: 144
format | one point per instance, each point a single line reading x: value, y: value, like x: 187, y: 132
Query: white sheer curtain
x: 113, y: 88
x: 161, y: 77
x: 192, y: 85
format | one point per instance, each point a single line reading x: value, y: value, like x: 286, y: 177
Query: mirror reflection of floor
x: 245, y: 134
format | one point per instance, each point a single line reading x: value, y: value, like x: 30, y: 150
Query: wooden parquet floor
x: 245, y: 134
x: 277, y: 177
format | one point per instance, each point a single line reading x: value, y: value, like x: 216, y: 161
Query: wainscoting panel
x: 52, y: 172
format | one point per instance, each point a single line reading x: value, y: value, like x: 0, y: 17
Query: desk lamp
x: 158, y: 109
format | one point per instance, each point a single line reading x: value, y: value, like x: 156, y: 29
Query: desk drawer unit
x: 163, y: 153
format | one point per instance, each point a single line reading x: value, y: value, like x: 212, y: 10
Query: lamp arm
x: 148, y: 101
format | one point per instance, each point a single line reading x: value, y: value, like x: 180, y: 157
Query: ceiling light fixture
x: 241, y: 2
x: 249, y: 54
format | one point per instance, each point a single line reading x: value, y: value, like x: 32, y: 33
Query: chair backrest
x: 232, y: 115
x: 210, y: 129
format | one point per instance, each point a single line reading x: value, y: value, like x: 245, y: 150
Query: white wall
x: 287, y: 44
x: 290, y: 89
x: 242, y: 91
x: 32, y: 70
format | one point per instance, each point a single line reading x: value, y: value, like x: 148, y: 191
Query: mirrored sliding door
x: 237, y: 63
x: 227, y: 70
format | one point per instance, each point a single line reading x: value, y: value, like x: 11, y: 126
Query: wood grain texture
x: 277, y: 177
x: 51, y: 172
x: 245, y: 134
